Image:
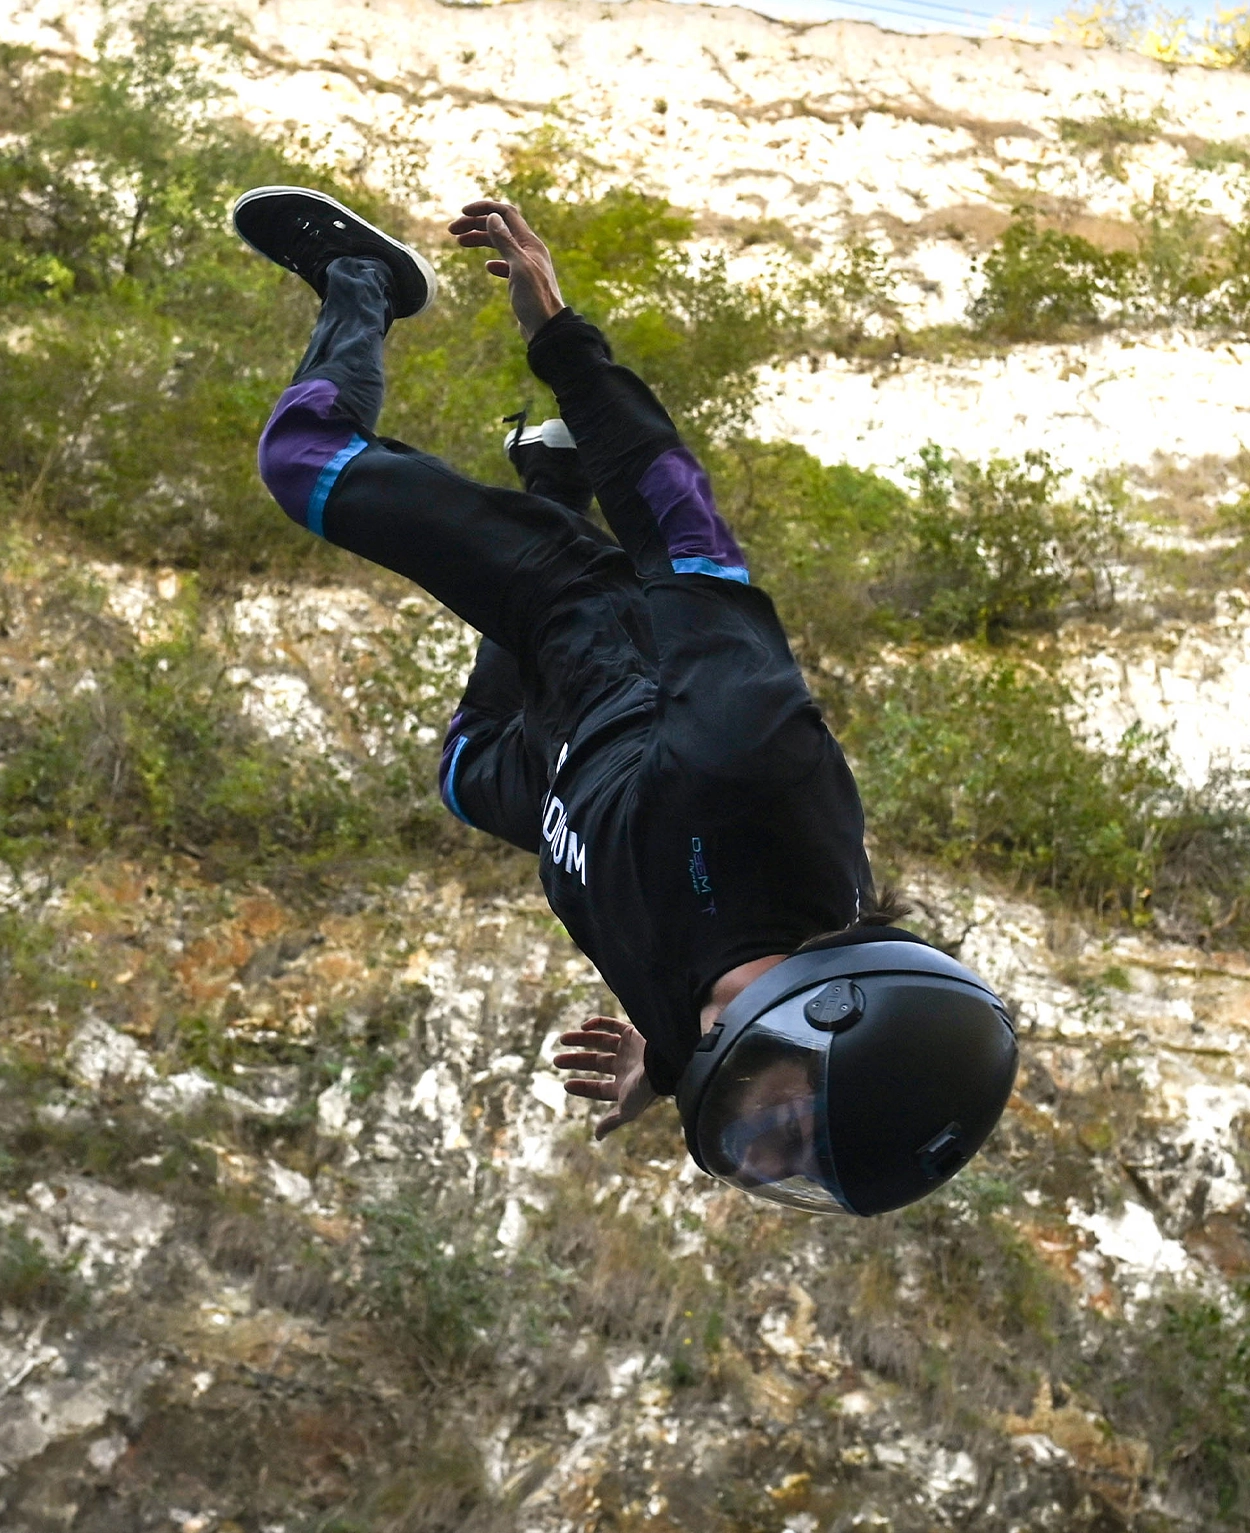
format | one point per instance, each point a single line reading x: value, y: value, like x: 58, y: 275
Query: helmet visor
x: 763, y: 1125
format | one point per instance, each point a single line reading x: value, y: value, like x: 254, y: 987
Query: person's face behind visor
x: 762, y: 1126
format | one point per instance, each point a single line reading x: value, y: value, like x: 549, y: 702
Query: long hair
x: 882, y: 908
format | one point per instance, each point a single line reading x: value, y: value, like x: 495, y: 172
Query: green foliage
x: 1215, y: 153
x: 813, y: 534
x: 1186, y: 267
x: 988, y: 1268
x: 1187, y: 1384
x: 433, y: 1276
x: 612, y: 1273
x: 1109, y: 133
x: 974, y: 550
x: 116, y: 171
x: 1204, y: 876
x: 990, y: 547
x: 1210, y: 1395
x: 1041, y: 284
x: 975, y: 762
x: 156, y: 746
x: 29, y: 1278
x: 693, y: 333
x: 143, y: 346
x: 416, y: 680
x: 847, y: 305
x: 1176, y: 273
x: 29, y: 974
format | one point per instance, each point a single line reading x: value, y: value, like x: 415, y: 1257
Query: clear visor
x: 763, y: 1124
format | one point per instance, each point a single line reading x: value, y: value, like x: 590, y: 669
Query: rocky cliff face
x: 306, y: 1234
x: 252, y: 1079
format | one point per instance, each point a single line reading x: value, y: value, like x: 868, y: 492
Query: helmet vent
x: 837, y: 1007
x: 942, y: 1154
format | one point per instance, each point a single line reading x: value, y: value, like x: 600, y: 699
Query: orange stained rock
x: 338, y: 969
x: 1115, y: 1466
x: 261, y: 917
x: 209, y: 964
x: 1057, y: 1246
x: 1220, y: 1242
x: 345, y: 931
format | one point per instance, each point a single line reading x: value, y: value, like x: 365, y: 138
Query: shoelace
x: 521, y: 416
x: 308, y: 247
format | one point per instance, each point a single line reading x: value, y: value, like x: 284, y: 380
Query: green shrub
x: 972, y: 550
x: 1182, y: 264
x: 845, y: 304
x: 433, y: 1276
x: 1231, y: 308
x: 983, y: 548
x: 1041, y: 284
x: 144, y: 346
x: 1109, y: 133
x: 1185, y: 1384
x: 29, y: 1278
x: 1187, y: 267
x: 813, y: 533
x: 156, y: 746
x: 974, y: 762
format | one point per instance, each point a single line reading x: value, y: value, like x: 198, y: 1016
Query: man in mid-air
x: 636, y: 718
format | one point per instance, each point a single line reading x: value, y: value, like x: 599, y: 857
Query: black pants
x: 557, y: 601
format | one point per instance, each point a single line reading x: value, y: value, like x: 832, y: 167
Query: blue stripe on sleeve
x: 325, y: 482
x: 702, y: 566
x: 449, y: 784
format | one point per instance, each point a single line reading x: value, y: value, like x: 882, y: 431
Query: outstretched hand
x: 525, y: 260
x: 614, y: 1049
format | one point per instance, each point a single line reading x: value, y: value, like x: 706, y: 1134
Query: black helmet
x: 854, y: 1077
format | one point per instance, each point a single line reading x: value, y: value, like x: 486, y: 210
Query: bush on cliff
x: 1183, y: 267
x: 144, y: 346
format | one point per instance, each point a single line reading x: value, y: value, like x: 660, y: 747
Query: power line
x: 938, y: 14
x: 927, y: 11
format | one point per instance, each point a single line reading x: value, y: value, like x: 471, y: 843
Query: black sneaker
x: 305, y: 230
x: 546, y: 459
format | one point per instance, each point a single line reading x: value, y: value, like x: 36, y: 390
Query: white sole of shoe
x: 552, y: 433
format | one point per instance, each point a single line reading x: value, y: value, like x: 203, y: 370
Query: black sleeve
x: 733, y: 701
x: 660, y: 1072
x: 620, y: 428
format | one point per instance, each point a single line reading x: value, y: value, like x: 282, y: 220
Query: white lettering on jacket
x: 568, y: 850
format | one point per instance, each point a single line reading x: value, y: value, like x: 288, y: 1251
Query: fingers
x: 604, y: 1043
x: 475, y: 226
x: 481, y: 210
x: 472, y: 235
x: 501, y: 235
x: 592, y: 1043
x: 583, y: 1063
x: 605, y: 1025
x: 584, y: 1060
x: 595, y: 1046
x: 597, y: 1091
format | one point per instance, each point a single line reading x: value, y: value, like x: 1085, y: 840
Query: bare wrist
x: 548, y: 309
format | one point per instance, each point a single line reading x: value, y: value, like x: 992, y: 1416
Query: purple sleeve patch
x: 304, y: 434
x: 680, y: 496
